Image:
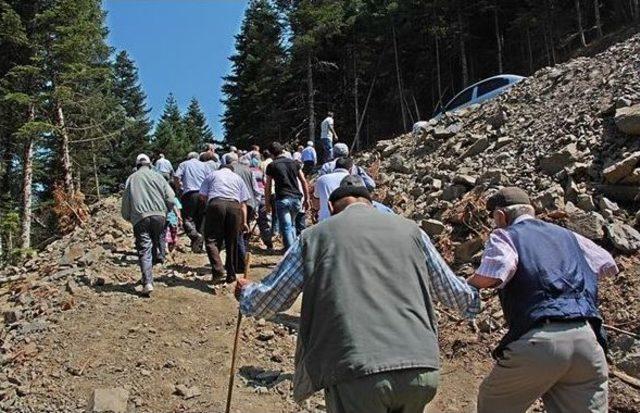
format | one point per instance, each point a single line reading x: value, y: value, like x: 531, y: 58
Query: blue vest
x: 553, y: 281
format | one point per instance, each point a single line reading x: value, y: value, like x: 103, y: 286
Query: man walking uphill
x: 225, y: 194
x: 288, y: 178
x: 328, y: 136
x: 189, y: 177
x: 368, y: 327
x: 547, y: 278
x: 147, y: 198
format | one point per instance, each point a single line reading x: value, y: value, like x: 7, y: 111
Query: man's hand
x: 245, y: 228
x: 241, y: 283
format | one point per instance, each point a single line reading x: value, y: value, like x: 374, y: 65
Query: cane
x: 232, y: 374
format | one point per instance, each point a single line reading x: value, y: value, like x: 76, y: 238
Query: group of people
x: 216, y: 199
x: 369, y: 279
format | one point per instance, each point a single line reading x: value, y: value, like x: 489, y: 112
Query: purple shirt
x: 500, y: 258
x: 224, y: 183
x: 191, y: 174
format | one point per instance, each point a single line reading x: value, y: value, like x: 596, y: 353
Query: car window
x: 491, y: 85
x: 461, y: 99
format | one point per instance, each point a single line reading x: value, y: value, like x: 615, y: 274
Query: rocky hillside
x: 570, y: 136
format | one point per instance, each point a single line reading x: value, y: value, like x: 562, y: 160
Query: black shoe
x: 196, y: 245
x: 230, y: 279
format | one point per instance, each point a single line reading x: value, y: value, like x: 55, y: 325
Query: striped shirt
x: 500, y: 259
x: 279, y: 290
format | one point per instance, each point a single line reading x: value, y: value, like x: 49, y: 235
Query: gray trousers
x: 150, y: 244
x: 561, y: 362
x: 398, y: 391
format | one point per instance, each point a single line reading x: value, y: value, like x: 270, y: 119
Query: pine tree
x: 253, y: 94
x: 135, y: 138
x: 170, y: 137
x: 195, y: 123
x: 73, y: 50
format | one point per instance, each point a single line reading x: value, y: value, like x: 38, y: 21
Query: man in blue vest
x: 547, y: 280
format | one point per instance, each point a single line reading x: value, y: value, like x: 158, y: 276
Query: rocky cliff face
x: 569, y: 135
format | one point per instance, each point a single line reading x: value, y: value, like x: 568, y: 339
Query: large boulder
x: 622, y: 169
x: 466, y: 250
x: 550, y: 200
x: 623, y: 237
x: 453, y: 192
x: 433, y: 227
x: 587, y: 224
x: 556, y: 161
x: 108, y: 401
x: 478, y: 146
x: 628, y: 119
x: 397, y: 163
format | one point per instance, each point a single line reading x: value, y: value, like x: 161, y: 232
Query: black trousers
x: 223, y: 224
x: 308, y: 167
x: 192, y: 212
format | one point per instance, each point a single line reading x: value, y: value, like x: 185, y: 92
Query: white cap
x: 143, y: 159
x: 310, y: 143
x: 233, y: 149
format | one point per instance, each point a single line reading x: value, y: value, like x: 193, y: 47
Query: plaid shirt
x: 500, y: 258
x: 279, y: 290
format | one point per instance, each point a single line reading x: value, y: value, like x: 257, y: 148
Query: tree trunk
x: 438, y: 74
x: 356, y: 104
x: 463, y: 52
x: 66, y: 156
x: 580, y: 28
x: 395, y: 51
x: 310, y: 99
x: 529, y: 51
x: 27, y: 180
x: 498, y: 37
x: 635, y: 9
x: 596, y: 12
x: 552, y: 33
x: 95, y: 171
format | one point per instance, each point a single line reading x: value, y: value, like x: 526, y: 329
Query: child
x: 174, y: 219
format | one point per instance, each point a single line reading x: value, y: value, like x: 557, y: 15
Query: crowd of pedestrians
x: 369, y: 278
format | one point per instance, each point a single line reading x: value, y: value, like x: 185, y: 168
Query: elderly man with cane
x: 368, y: 333
x: 547, y: 281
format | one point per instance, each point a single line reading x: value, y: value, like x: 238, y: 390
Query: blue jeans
x: 327, y: 145
x: 287, y: 209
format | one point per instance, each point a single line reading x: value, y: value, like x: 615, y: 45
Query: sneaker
x: 148, y: 288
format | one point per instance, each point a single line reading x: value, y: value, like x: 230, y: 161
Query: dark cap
x: 507, y: 196
x: 351, y: 185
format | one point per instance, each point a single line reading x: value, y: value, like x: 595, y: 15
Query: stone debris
x: 563, y: 135
x: 187, y: 392
x: 628, y: 119
x: 113, y: 400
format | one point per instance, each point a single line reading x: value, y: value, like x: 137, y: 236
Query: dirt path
x: 183, y: 335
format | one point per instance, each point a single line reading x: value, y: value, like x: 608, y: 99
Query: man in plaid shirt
x: 368, y: 333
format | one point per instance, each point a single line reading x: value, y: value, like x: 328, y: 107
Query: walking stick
x: 232, y: 373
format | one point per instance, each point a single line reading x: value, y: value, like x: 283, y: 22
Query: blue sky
x: 178, y: 46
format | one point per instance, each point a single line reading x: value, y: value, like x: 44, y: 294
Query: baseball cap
x: 510, y: 195
x: 340, y: 149
x: 351, y: 185
x: 142, y: 159
x: 310, y: 143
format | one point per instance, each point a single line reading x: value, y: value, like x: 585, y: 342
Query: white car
x: 479, y: 92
